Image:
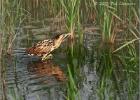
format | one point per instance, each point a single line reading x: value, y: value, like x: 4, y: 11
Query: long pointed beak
x: 65, y: 36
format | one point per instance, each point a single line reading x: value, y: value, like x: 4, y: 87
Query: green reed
x: 105, y: 69
x: 112, y: 66
x: 115, y: 68
x: 71, y: 12
x: 113, y: 20
x: 71, y: 8
x: 105, y: 17
x: 76, y: 60
x: 13, y: 94
x: 12, y: 18
x: 130, y: 62
x: 72, y: 91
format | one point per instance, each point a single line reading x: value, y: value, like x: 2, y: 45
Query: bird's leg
x: 46, y: 57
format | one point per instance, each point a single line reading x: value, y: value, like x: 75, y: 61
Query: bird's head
x: 59, y: 39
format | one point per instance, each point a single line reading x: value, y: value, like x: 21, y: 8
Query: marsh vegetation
x: 99, y: 62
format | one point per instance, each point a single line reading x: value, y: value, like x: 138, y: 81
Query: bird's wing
x: 41, y: 48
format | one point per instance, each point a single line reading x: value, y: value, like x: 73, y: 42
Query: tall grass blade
x: 124, y: 45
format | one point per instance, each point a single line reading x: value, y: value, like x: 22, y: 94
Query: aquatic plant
x: 117, y: 23
x: 12, y: 16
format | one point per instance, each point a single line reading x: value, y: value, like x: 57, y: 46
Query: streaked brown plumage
x: 45, y: 47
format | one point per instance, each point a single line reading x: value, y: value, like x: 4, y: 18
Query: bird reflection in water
x: 43, y: 68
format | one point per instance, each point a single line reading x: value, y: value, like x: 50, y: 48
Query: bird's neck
x: 57, y: 44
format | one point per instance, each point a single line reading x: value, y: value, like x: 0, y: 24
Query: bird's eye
x: 57, y: 36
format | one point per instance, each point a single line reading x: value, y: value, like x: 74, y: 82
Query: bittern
x: 44, y: 48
